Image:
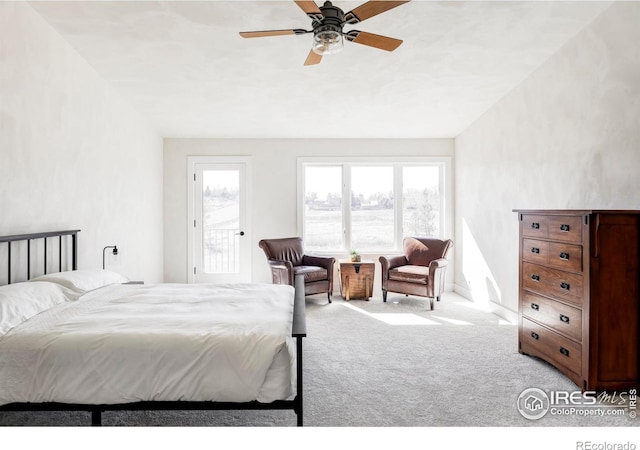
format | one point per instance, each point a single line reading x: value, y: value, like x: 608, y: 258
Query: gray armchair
x: 286, y: 259
x: 419, y: 271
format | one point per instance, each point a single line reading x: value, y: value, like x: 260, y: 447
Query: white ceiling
x: 184, y: 66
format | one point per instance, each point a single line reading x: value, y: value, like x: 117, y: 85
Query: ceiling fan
x: 327, y: 22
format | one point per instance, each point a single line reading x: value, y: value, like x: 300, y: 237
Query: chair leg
x: 329, y: 296
x: 431, y: 301
x: 384, y: 296
x: 438, y: 298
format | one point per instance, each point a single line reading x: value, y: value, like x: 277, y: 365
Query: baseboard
x: 466, y: 293
x: 498, y: 310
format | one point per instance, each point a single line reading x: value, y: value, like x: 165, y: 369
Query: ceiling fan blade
x: 370, y: 9
x: 373, y: 40
x: 254, y: 34
x: 313, y: 58
x: 309, y: 7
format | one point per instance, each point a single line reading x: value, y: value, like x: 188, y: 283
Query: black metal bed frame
x: 299, y: 331
x: 49, y: 234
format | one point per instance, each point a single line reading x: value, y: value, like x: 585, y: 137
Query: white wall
x: 274, y: 185
x: 73, y: 154
x: 568, y: 137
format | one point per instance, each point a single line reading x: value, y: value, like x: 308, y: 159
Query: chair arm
x: 389, y: 262
x: 281, y: 271
x: 437, y: 263
x: 326, y: 262
x: 436, y: 276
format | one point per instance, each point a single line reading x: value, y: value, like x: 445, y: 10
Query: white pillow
x: 83, y: 280
x: 21, y: 301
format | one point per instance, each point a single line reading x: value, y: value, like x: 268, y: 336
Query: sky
x: 368, y: 179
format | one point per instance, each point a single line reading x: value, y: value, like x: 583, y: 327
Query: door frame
x: 192, y: 163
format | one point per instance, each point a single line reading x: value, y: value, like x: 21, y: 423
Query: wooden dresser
x: 579, y: 294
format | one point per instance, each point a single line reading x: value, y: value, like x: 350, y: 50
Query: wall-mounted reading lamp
x: 114, y: 253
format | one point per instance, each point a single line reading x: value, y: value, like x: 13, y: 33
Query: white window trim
x: 446, y: 186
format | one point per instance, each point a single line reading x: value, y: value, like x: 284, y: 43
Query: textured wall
x: 274, y: 185
x: 73, y: 154
x: 568, y: 137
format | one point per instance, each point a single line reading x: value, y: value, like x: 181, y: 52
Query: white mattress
x: 170, y: 342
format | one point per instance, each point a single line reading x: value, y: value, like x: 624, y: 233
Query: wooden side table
x: 356, y: 279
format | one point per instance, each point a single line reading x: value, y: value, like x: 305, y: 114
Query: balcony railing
x: 221, y: 250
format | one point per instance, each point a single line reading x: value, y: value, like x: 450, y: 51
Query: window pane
x: 372, y: 224
x: 221, y: 220
x: 323, y: 208
x: 421, y: 201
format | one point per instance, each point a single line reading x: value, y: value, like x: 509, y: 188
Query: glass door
x: 221, y: 252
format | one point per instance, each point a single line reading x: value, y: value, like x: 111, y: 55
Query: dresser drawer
x: 561, y: 317
x: 565, y: 256
x: 559, y: 255
x: 565, y: 228
x: 534, y: 226
x: 559, y: 228
x: 552, y: 282
x: 535, y: 251
x: 555, y: 348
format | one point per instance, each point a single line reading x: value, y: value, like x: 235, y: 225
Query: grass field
x: 371, y: 230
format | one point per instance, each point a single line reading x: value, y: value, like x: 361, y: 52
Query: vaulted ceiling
x: 183, y: 65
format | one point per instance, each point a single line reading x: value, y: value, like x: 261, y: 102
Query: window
x: 370, y: 206
x: 323, y: 207
x: 372, y: 201
x: 421, y: 201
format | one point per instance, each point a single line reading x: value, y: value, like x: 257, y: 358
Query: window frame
x: 443, y: 163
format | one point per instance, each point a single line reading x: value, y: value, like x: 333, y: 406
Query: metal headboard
x: 49, y: 234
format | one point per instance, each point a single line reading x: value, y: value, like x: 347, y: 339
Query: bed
x: 88, y: 340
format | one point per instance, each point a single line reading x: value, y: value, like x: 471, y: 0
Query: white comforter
x: 128, y: 343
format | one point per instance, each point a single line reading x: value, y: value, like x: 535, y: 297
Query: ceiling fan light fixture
x: 327, y: 42
x: 327, y: 22
x: 327, y: 32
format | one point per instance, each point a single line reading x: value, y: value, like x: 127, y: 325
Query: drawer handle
x: 535, y: 335
x: 564, y: 318
x: 565, y: 286
x: 564, y: 256
x: 564, y: 227
x: 564, y: 351
x: 535, y: 250
x: 535, y: 277
x: 535, y: 226
x: 535, y: 306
